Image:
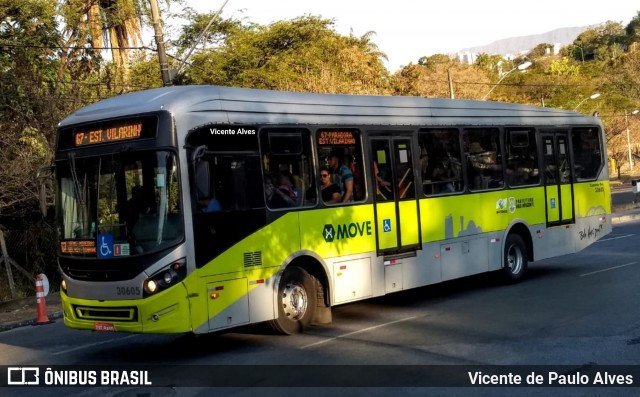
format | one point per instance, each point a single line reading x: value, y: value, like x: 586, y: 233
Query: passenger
x: 329, y: 190
x: 210, y: 204
x: 290, y: 185
x: 269, y: 187
x: 283, y: 195
x: 136, y: 206
x: 380, y: 182
x: 444, y: 175
x: 344, y: 176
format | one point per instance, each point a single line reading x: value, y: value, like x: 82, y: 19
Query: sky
x: 406, y: 30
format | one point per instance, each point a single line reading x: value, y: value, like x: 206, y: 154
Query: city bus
x: 195, y: 209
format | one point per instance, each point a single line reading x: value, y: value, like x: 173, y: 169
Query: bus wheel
x: 297, y: 297
x: 515, y: 258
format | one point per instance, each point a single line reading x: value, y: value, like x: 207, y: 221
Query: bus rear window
x: 587, y: 152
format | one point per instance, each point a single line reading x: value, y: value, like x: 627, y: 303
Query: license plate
x: 104, y: 327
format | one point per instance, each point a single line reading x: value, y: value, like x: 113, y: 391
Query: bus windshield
x: 120, y: 204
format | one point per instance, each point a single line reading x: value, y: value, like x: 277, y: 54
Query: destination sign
x: 335, y: 138
x: 133, y: 128
x: 114, y: 133
x: 78, y: 247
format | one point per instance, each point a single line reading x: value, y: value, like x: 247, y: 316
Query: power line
x: 79, y: 83
x: 55, y: 47
x: 509, y: 84
x: 213, y: 18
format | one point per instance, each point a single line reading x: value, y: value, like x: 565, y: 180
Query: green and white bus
x: 200, y: 208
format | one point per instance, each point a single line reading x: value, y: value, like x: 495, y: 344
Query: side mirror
x: 201, y: 172
x: 202, y: 179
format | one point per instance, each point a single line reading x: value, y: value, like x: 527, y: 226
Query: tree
x: 605, y: 43
x: 617, y: 145
x: 539, y: 51
x: 103, y: 24
x: 304, y: 54
x: 633, y: 30
x: 430, y: 78
x: 625, y: 77
x: 30, y: 106
x: 491, y: 64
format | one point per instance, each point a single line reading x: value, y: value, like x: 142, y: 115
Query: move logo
x: 344, y: 231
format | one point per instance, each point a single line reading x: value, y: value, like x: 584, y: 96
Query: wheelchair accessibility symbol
x: 105, y: 245
x: 386, y: 225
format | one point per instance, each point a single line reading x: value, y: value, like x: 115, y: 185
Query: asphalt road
x: 579, y: 310
x: 621, y: 195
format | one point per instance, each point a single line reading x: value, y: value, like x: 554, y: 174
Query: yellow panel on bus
x: 409, y: 232
x: 592, y: 198
x: 337, y: 231
x: 566, y: 192
x: 387, y: 225
x: 463, y: 215
x: 553, y: 205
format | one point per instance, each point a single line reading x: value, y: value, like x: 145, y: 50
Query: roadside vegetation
x: 57, y: 56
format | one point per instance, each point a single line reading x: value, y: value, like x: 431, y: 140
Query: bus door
x: 396, y: 209
x: 558, y: 178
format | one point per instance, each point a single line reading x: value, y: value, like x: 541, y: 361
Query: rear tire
x: 515, y: 259
x: 297, y: 299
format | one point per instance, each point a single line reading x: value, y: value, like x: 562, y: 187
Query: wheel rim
x: 514, y: 259
x: 294, y: 301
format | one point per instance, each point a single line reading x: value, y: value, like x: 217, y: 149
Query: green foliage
x: 439, y: 75
x: 304, y: 54
x: 541, y: 50
x: 144, y: 72
x: 211, y: 38
x: 434, y: 60
x: 633, y: 29
x: 562, y: 67
x: 489, y: 63
x: 604, y: 43
x: 49, y: 69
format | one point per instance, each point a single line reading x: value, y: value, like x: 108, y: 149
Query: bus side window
x: 440, y: 161
x: 522, y: 157
x: 484, y: 158
x: 587, y: 152
x: 289, y: 179
x: 341, y: 151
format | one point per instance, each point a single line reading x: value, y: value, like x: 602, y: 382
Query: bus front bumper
x: 164, y: 313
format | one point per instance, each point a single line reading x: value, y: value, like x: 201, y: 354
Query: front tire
x: 515, y: 259
x: 297, y: 299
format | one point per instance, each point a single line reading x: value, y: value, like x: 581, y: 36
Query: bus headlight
x: 63, y: 285
x: 166, y: 277
x: 150, y: 286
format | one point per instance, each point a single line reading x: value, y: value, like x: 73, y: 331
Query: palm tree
x: 104, y: 24
x: 370, y: 47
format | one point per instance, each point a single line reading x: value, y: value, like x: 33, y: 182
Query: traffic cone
x: 41, y: 305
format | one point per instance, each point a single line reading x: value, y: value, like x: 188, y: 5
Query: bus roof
x: 193, y: 106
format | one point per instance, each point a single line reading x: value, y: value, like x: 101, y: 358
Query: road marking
x: 92, y: 345
x: 607, y: 269
x: 615, y: 238
x: 358, y: 332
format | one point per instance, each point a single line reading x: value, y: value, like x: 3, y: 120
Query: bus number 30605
x: 128, y: 291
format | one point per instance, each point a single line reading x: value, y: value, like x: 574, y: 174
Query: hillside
x: 516, y: 45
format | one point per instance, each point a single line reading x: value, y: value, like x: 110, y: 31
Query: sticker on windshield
x: 121, y: 250
x: 105, y: 245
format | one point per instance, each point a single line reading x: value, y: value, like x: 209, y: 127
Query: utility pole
x: 162, y: 55
x: 451, y: 94
x: 626, y: 121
